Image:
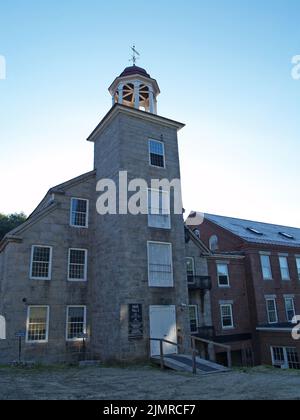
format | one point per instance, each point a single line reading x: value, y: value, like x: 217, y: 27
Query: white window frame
x: 197, y: 317
x: 50, y: 263
x: 194, y: 269
x: 285, y: 258
x: 157, y: 226
x: 286, y: 299
x: 223, y: 286
x: 75, y: 340
x: 87, y: 212
x: 262, y: 256
x: 285, y: 364
x: 85, y: 266
x: 227, y: 305
x: 172, y: 271
x: 47, y: 324
x: 274, y: 300
x: 164, y: 153
x: 298, y: 266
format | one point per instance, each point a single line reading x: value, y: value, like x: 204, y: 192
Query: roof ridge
x: 208, y: 215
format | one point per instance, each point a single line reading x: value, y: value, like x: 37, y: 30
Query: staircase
x: 184, y: 363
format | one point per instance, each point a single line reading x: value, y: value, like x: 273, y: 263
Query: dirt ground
x: 148, y: 383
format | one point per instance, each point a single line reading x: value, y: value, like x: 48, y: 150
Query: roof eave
x: 117, y: 109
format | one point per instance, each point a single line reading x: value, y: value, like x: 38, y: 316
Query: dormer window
x: 254, y: 231
x: 286, y: 235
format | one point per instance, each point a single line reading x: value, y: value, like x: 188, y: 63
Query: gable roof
x: 258, y: 232
x: 197, y: 241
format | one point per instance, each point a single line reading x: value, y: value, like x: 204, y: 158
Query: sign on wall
x: 135, y: 318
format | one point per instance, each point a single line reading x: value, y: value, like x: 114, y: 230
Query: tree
x: 10, y: 222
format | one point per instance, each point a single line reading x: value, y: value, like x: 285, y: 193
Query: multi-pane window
x: 278, y: 356
x: 160, y: 267
x: 190, y: 269
x: 223, y: 275
x: 290, y: 308
x: 293, y: 358
x: 41, y: 261
x: 266, y: 267
x: 157, y: 153
x: 159, y: 214
x: 79, y: 213
x: 285, y: 357
x: 77, y: 265
x: 298, y: 266
x: 284, y: 268
x: 272, y: 311
x: 76, y: 322
x: 194, y: 318
x: 37, y: 324
x: 227, y: 316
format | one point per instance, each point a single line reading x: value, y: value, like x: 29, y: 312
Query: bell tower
x: 136, y: 89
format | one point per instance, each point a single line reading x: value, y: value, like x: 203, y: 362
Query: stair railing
x: 202, y: 340
x: 162, y: 341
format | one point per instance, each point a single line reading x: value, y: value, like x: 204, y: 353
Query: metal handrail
x: 195, y: 352
x: 162, y: 341
x: 202, y: 340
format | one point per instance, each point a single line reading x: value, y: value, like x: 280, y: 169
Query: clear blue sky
x: 224, y: 68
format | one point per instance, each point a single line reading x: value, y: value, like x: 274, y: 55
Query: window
x: 79, y: 213
x: 227, y: 317
x: 290, y: 308
x: 41, y: 262
x: 278, y: 356
x: 190, y: 269
x: 214, y: 243
x: 255, y: 231
x: 194, y: 318
x: 285, y: 357
x: 272, y: 311
x: 292, y: 358
x: 284, y: 268
x: 223, y: 275
x: 298, y: 266
x: 160, y: 264
x: 76, y: 322
x: 37, y: 324
x: 266, y: 267
x: 157, y: 153
x: 159, y: 214
x: 77, y: 265
x: 286, y: 235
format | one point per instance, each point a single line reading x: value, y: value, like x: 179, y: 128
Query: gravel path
x: 98, y: 383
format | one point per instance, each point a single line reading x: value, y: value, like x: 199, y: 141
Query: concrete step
x: 184, y: 363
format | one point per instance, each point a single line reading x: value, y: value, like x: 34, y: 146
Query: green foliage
x: 10, y: 222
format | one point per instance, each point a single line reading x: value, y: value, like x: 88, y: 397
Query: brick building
x: 256, y: 277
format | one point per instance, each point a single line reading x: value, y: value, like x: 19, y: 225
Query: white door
x: 163, y: 326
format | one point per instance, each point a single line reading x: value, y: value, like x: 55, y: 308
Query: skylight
x: 286, y: 235
x: 255, y: 231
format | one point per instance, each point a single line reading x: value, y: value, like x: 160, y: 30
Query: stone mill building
x: 74, y: 280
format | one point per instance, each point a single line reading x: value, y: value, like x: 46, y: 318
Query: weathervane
x: 135, y: 55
